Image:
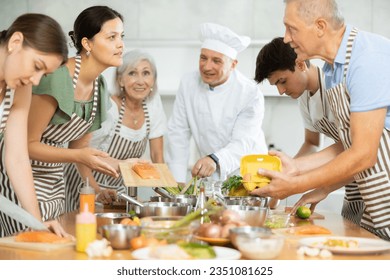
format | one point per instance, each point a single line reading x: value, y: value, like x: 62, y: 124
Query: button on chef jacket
x: 225, y: 120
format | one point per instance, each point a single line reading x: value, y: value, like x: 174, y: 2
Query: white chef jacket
x: 226, y: 120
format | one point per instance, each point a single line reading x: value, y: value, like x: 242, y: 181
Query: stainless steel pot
x: 164, y: 209
x: 180, y: 198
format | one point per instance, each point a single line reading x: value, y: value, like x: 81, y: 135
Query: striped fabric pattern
x: 120, y: 148
x: 373, y: 203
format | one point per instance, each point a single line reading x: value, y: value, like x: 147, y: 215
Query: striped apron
x: 329, y: 128
x: 120, y: 148
x: 49, y: 177
x: 371, y: 197
x: 8, y: 225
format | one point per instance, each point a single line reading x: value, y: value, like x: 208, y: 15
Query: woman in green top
x: 74, y: 101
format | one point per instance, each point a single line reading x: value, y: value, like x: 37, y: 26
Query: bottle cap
x: 85, y: 217
x: 87, y: 189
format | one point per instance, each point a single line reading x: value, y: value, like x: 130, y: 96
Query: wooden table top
x: 334, y: 222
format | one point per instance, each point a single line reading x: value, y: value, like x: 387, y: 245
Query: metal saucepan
x: 180, y: 198
x: 147, y: 209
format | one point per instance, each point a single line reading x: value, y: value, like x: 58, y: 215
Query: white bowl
x: 260, y: 247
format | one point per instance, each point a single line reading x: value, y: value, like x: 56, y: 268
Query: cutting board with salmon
x: 147, y: 175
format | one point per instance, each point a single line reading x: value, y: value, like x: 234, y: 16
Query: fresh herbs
x: 232, y: 183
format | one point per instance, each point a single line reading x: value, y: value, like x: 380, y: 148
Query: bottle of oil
x: 201, y: 203
x: 85, y: 229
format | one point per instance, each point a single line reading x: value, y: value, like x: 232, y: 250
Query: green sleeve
x: 59, y: 86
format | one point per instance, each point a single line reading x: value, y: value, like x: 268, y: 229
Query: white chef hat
x: 223, y: 40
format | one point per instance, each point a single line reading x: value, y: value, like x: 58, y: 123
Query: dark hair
x: 90, y: 22
x: 274, y: 56
x: 40, y: 32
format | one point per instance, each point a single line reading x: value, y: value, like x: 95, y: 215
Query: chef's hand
x: 288, y: 164
x: 281, y: 185
x: 204, y: 167
x: 54, y: 226
x: 313, y: 198
x: 106, y: 196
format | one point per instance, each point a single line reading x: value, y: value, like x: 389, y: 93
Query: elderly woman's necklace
x: 135, y: 115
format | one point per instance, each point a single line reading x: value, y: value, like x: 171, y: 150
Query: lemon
x: 303, y: 212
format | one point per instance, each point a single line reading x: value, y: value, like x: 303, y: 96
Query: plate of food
x: 186, y: 251
x: 347, y: 245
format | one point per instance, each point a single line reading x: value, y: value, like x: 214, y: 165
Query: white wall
x: 168, y: 29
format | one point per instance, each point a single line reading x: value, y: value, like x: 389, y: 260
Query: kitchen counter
x: 334, y: 222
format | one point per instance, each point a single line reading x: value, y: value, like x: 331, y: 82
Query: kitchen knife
x: 19, y: 214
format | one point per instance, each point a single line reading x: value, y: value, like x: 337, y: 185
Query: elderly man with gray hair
x: 357, y: 83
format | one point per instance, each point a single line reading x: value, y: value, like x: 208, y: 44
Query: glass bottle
x: 201, y: 202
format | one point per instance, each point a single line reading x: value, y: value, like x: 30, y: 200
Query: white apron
x: 371, y: 198
x: 120, y: 148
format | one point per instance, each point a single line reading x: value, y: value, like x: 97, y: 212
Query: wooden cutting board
x: 132, y: 179
x: 313, y: 215
x: 10, y: 242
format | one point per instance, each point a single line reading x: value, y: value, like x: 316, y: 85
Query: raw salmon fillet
x: 146, y: 171
x: 40, y: 237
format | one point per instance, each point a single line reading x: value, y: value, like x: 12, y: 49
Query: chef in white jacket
x: 219, y: 107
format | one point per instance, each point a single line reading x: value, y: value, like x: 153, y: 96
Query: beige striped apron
x: 372, y: 195
x: 328, y: 128
x: 7, y: 224
x: 120, y: 148
x: 49, y: 177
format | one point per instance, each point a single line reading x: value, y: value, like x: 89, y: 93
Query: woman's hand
x: 95, y: 160
x: 54, y: 226
x: 106, y: 196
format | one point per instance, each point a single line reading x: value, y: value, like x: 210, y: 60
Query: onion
x: 229, y: 216
x: 225, y: 230
x: 202, y: 228
x: 212, y: 231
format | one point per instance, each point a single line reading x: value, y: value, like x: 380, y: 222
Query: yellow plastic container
x: 249, y: 166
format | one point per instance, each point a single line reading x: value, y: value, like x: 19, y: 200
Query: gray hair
x: 310, y: 10
x: 131, y: 60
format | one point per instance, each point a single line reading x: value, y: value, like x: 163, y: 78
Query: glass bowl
x: 261, y: 246
x: 162, y: 228
x: 277, y: 219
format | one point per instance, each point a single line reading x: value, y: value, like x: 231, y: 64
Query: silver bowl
x: 254, y: 216
x: 110, y: 218
x: 247, y: 200
x: 119, y: 235
x: 161, y: 209
x: 247, y: 231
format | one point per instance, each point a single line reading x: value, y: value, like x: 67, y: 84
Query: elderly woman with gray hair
x: 136, y: 118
